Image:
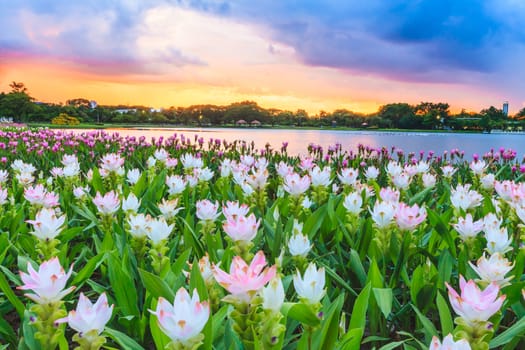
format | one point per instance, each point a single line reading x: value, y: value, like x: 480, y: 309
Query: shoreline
x: 231, y: 127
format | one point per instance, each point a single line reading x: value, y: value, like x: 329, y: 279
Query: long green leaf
x: 515, y: 330
x: 156, y: 286
x: 10, y: 295
x: 447, y: 324
x: 122, y: 339
x: 358, y: 319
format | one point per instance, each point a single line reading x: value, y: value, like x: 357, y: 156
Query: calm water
x: 298, y: 140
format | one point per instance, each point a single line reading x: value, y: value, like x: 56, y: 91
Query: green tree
x: 393, y: 113
x: 492, y: 118
x: 434, y: 115
x: 16, y: 105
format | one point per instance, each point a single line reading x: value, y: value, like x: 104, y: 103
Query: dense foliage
x: 191, y: 244
x: 21, y: 107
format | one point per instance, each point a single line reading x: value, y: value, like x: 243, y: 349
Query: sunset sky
x: 316, y: 55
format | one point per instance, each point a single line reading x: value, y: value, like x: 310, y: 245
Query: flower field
x: 125, y: 243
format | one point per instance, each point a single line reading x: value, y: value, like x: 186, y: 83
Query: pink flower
x: 348, y: 176
x: 89, y: 317
x: 408, y: 218
x: 235, y: 209
x: 112, y: 163
x: 241, y: 228
x: 185, y: 319
x: 467, y: 228
x: 3, y: 196
x: 389, y: 194
x: 207, y: 211
x: 296, y: 185
x: 244, y: 279
x: 449, y: 344
x: 48, y: 283
x: 46, y: 224
x: 474, y: 305
x: 108, y: 204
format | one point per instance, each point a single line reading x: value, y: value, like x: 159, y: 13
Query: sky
x: 287, y: 54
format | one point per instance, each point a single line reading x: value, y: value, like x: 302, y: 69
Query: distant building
x: 506, y: 108
x: 125, y: 110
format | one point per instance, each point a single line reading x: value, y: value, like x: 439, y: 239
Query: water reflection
x: 298, y: 140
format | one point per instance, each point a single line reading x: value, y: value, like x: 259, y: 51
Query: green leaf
x: 7, y: 331
x: 156, y: 286
x: 302, y: 313
x: 88, y: 269
x: 352, y: 339
x: 10, y: 295
x: 327, y: 335
x: 515, y: 330
x: 122, y: 339
x: 122, y: 285
x: 29, y: 333
x: 428, y: 326
x: 357, y: 266
x: 384, y: 299
x: 358, y: 319
x: 392, y: 345
x: 447, y: 324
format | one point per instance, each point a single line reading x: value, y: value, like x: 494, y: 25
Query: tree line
x: 21, y: 107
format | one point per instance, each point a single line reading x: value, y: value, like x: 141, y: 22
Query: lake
x: 298, y: 140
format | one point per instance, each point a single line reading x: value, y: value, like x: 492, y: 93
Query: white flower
x: 467, y: 227
x: 71, y: 170
x: 161, y: 154
x: 296, y: 185
x: 235, y: 209
x: 465, y: 198
x: 429, y: 180
x: 189, y: 161
x: 158, y: 230
x: 88, y: 317
x: 273, y: 295
x: 299, y: 245
x: 183, y: 320
x: 4, y: 175
x: 491, y: 221
x: 46, y: 224
x: 371, y: 173
x: 478, y: 167
x: 353, y: 203
x: 168, y: 208
x: 133, y: 176
x: 131, y: 204
x: 307, y: 203
x: 422, y: 167
x: 176, y: 184
x: 80, y: 192
x: 449, y: 344
x: 498, y: 240
x: 487, y: 181
x: 393, y: 169
x: 151, y: 162
x: 310, y: 287
x: 204, y: 174
x: 321, y: 177
x: 493, y: 269
x: 139, y: 225
x: 47, y: 283
x: 448, y: 171
x: 401, y: 181
x: 3, y: 196
x: 383, y: 214
x: 207, y: 211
